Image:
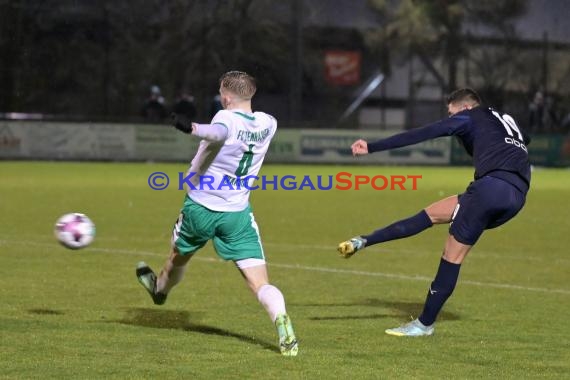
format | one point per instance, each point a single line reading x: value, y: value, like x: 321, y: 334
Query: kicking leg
x: 437, y: 213
x: 254, y: 272
x: 170, y: 275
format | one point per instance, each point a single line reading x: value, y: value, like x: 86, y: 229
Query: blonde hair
x: 239, y: 83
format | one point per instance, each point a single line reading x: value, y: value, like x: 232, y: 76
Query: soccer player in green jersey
x: 232, y: 148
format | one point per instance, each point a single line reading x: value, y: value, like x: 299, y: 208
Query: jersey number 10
x: 511, y: 126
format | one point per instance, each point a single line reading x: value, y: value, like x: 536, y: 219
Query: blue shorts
x: 486, y: 203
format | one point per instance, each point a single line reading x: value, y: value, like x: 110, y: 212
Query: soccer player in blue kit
x: 497, y: 194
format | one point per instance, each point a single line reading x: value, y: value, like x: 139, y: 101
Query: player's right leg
x: 171, y: 274
x: 193, y: 228
x: 147, y: 278
x: 437, y: 213
x: 348, y: 248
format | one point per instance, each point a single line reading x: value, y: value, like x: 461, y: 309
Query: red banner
x: 342, y: 67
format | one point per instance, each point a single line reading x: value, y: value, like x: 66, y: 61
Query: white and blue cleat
x: 413, y: 328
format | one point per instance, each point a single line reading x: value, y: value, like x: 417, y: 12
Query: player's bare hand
x: 359, y: 148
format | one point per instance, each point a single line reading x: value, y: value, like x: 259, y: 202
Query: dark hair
x: 462, y: 95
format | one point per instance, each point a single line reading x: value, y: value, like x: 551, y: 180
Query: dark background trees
x: 99, y: 59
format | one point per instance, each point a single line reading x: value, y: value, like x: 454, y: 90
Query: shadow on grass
x: 179, y: 320
x: 45, y: 312
x: 396, y: 308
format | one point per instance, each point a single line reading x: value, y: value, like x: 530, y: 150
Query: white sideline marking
x: 322, y: 247
x: 416, y: 278
x: 473, y: 255
x: 478, y: 254
x: 309, y: 268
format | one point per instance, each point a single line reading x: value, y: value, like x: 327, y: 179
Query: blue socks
x: 447, y: 274
x: 401, y: 229
x: 439, y: 291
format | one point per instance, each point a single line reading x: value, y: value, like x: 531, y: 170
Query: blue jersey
x: 493, y: 139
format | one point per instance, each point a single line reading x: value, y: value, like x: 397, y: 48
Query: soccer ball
x: 74, y: 230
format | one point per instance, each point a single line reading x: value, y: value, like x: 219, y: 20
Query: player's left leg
x: 468, y: 221
x: 439, y: 291
x: 436, y: 213
x: 487, y: 202
x: 255, y: 273
x: 237, y: 239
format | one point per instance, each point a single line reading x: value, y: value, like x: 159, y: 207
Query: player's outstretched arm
x: 216, y: 132
x: 181, y: 122
x: 359, y: 148
x: 212, y: 132
x: 446, y: 127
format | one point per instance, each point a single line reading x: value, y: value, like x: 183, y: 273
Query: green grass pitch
x: 82, y: 314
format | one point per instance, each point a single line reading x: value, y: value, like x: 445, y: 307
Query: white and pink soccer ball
x: 74, y: 230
